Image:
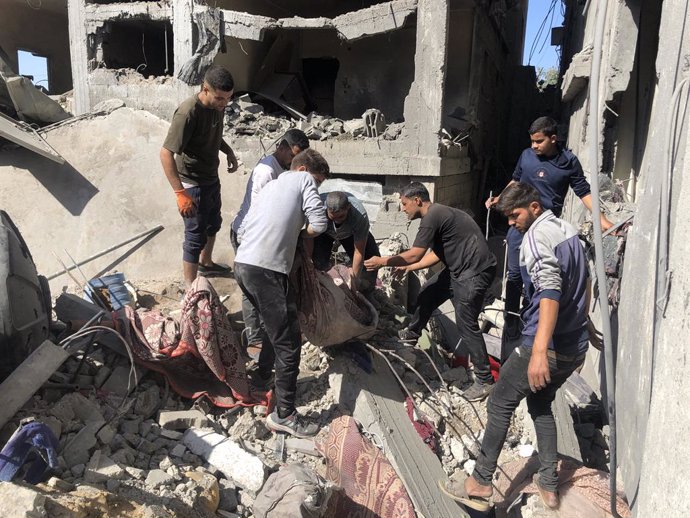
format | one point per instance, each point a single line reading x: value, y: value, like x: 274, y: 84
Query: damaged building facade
x: 436, y: 72
x: 641, y: 143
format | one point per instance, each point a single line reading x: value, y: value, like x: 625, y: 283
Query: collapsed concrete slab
x: 27, y: 138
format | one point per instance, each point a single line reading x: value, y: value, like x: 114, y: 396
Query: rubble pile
x: 245, y: 117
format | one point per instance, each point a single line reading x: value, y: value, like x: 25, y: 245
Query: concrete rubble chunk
x: 245, y: 469
x: 21, y: 502
x: 60, y: 485
x: 77, y: 448
x: 147, y: 401
x: 122, y: 380
x: 178, y: 450
x: 102, y: 469
x: 108, y: 106
x: 182, y: 419
x: 158, y: 477
x: 457, y: 448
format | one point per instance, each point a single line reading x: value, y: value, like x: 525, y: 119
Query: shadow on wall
x: 64, y: 182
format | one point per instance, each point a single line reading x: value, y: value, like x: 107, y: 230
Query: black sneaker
x: 408, y: 336
x: 478, y: 391
x: 214, y: 269
x: 294, y: 424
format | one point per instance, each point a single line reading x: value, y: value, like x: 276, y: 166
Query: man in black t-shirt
x: 454, y: 239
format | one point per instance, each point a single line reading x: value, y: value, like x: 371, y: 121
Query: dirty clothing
x: 205, y: 223
x: 468, y: 300
x: 266, y: 170
x: 554, y: 266
x: 196, y: 135
x: 250, y: 315
x: 512, y: 387
x: 323, y: 245
x: 270, y: 292
x: 32, y: 442
x: 456, y: 239
x: 272, y: 226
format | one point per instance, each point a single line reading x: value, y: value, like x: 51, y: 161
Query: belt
x: 563, y: 357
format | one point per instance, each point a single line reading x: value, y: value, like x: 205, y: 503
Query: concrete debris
x: 102, y: 468
x: 182, y: 420
x: 108, y: 106
x: 245, y: 469
x: 245, y: 116
x: 21, y: 502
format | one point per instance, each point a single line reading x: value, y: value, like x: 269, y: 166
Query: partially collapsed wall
x: 424, y: 65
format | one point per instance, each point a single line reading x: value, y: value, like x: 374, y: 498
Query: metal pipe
x: 593, y: 133
x: 106, y: 251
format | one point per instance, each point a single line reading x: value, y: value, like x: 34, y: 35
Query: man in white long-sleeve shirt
x: 268, y: 169
x: 285, y: 209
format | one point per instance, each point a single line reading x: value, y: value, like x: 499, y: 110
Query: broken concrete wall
x: 651, y: 378
x: 43, y: 31
x: 302, y: 8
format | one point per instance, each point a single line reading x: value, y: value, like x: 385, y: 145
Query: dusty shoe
x: 294, y: 424
x: 478, y: 391
x: 457, y: 490
x: 213, y: 269
x: 550, y: 498
x: 408, y: 336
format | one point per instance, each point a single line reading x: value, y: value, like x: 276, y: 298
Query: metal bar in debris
x: 95, y: 256
x: 25, y: 136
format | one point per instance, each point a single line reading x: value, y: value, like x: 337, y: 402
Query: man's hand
x: 400, y: 272
x: 232, y: 162
x: 185, y: 203
x: 595, y: 337
x: 354, y: 281
x: 491, y: 201
x: 374, y: 263
x: 605, y: 223
x: 538, y: 373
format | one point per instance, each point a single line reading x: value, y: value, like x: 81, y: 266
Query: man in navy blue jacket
x: 550, y: 169
x: 554, y: 341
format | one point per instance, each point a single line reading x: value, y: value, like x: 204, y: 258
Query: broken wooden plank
x: 26, y: 379
x: 380, y: 409
x: 27, y: 138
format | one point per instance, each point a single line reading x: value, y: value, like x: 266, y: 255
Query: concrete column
x: 76, y: 14
x: 182, y: 31
x: 424, y: 105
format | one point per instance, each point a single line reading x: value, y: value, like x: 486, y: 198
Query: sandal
x: 456, y: 491
x: 213, y: 268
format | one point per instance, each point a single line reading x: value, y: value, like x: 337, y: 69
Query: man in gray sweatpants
x: 286, y: 209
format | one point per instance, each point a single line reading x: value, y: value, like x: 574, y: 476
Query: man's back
x: 266, y: 170
x: 272, y: 226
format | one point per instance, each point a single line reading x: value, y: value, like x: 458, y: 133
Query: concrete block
x: 171, y: 434
x: 121, y: 381
x: 86, y: 410
x: 76, y: 450
x: 21, y: 502
x: 158, y: 477
x: 576, y: 77
x: 60, y: 485
x: 245, y: 469
x: 178, y: 450
x: 182, y: 419
x: 102, y: 469
x: 457, y: 448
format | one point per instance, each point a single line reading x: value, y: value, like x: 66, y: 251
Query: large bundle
x: 330, y: 313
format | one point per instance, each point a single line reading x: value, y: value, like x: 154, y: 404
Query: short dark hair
x: 294, y: 137
x: 415, y: 190
x: 517, y: 196
x: 337, y: 201
x: 545, y: 125
x: 312, y: 161
x: 219, y: 78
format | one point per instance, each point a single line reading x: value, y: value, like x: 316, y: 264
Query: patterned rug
x: 199, y: 355
x: 370, y: 486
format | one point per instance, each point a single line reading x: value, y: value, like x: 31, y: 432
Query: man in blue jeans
x: 551, y: 170
x: 554, y: 341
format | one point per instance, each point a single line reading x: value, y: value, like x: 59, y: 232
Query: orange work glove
x: 185, y: 203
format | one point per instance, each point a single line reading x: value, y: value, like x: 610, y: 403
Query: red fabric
x: 495, y: 367
x: 423, y: 426
x: 200, y: 355
x: 371, y: 487
x: 463, y: 361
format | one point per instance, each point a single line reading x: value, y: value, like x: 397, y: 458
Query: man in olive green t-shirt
x: 196, y: 137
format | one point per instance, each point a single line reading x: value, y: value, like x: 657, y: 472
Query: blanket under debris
x: 329, y: 311
x: 199, y: 355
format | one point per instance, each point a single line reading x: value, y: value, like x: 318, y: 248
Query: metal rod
x: 106, y: 251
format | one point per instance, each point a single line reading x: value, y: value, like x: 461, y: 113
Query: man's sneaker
x: 478, y: 391
x: 408, y: 336
x: 294, y: 424
x: 214, y: 269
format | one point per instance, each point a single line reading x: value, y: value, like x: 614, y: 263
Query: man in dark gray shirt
x: 348, y: 223
x: 456, y: 240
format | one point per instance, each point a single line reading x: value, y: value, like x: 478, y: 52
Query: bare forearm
x: 427, y: 261
x: 225, y: 147
x: 170, y: 169
x: 357, y: 260
x: 548, y: 314
x: 310, y: 232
